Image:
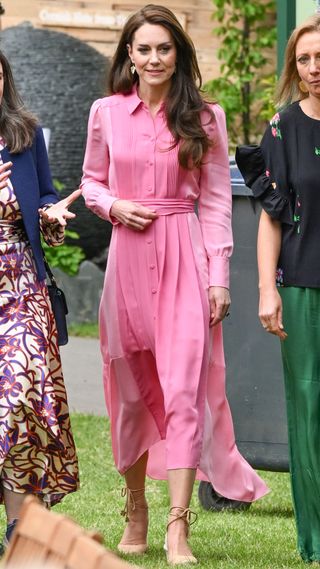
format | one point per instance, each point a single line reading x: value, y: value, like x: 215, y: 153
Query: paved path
x: 82, y: 369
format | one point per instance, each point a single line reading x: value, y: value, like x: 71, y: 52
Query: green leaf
x: 71, y: 234
x: 247, y: 31
x: 65, y: 257
x: 59, y: 186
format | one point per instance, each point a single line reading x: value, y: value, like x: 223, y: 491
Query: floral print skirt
x: 37, y: 451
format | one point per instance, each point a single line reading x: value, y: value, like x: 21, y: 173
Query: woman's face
x: 308, y: 61
x: 1, y: 82
x: 154, y: 55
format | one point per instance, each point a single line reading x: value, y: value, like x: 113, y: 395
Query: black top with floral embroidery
x: 284, y: 174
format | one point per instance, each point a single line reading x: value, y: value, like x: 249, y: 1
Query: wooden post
x: 1, y: 13
x: 286, y: 22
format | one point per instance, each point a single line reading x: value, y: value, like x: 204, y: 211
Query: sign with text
x: 83, y: 18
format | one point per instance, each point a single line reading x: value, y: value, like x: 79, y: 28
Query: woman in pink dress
x: 154, y: 150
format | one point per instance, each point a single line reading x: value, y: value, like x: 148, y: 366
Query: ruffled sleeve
x: 264, y: 170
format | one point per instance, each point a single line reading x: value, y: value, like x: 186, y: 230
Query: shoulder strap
x: 49, y: 271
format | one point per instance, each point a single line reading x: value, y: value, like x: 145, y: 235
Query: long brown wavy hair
x: 17, y: 124
x: 184, y: 104
x: 288, y: 86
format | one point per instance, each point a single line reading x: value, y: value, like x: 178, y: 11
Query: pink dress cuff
x: 219, y: 271
x: 100, y: 203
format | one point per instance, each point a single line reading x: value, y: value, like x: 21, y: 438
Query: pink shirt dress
x: 164, y: 370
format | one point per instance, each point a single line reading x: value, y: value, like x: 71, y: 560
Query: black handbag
x: 59, y: 306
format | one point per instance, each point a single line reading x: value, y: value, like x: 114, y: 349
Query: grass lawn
x: 263, y: 536
x: 84, y: 330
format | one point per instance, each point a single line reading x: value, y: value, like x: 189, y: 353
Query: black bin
x: 254, y: 371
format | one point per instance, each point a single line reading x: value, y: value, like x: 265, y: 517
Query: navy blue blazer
x: 33, y: 187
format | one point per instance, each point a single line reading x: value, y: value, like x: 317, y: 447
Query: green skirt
x: 301, y: 364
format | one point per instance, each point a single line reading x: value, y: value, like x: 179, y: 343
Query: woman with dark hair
x: 37, y: 450
x: 284, y: 174
x: 154, y: 149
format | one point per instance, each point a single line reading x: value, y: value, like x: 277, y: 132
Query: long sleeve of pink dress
x: 164, y: 371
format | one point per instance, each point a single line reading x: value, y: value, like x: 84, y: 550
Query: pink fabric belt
x: 167, y: 206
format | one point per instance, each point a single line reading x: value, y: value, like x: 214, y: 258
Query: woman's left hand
x: 219, y: 300
x: 59, y: 213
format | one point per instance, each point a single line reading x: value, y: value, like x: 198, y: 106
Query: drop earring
x: 133, y: 68
x: 303, y: 87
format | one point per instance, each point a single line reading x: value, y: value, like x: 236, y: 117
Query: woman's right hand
x: 4, y: 174
x: 59, y: 212
x: 132, y: 215
x: 270, y: 312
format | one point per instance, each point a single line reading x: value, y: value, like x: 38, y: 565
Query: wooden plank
x: 75, y: 4
x: 9, y: 21
x: 106, y: 49
x: 18, y: 8
x: 88, y: 36
x: 187, y: 6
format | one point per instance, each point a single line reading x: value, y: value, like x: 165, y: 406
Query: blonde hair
x: 288, y: 89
